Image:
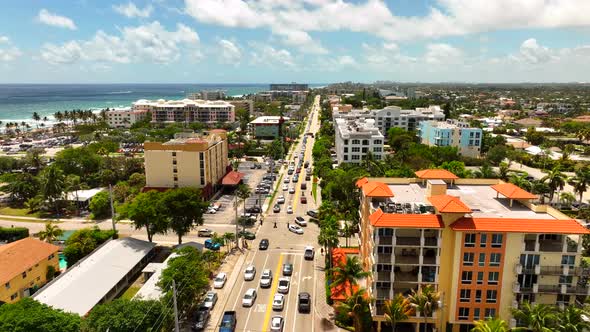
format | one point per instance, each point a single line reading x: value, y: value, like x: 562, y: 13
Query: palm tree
x: 521, y: 181
x: 580, y: 181
x: 329, y: 239
x: 555, y: 179
x: 425, y: 301
x: 243, y: 192
x: 36, y: 118
x: 567, y: 198
x: 51, y: 232
x: 535, y: 317
x: 52, y: 181
x: 349, y: 272
x: 503, y: 171
x: 229, y: 237
x: 397, y: 310
x: 572, y: 319
x: 356, y: 306
x: 371, y: 165
x: 491, y: 325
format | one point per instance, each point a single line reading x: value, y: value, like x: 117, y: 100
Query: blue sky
x: 260, y: 41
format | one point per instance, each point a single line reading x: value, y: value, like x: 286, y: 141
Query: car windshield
x: 210, y: 296
x: 219, y: 278
x: 283, y: 283
x: 247, y: 296
x: 250, y: 270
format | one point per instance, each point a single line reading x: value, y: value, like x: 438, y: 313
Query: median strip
x: 273, y: 289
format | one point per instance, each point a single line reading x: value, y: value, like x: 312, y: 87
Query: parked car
x: 309, y: 253
x: 253, y: 209
x: 283, y: 285
x: 209, y: 244
x: 312, y: 213
x: 210, y: 299
x: 278, y: 302
x: 287, y: 269
x: 247, y: 235
x: 300, y: 221
x: 220, y: 280
x: 263, y: 244
x: 249, y: 273
x: 201, y: 317
x: 266, y: 278
x: 205, y: 232
x: 296, y: 229
x: 249, y: 297
x: 304, y: 302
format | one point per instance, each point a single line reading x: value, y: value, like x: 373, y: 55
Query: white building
x: 187, y: 110
x: 207, y: 95
x: 124, y: 117
x: 355, y: 138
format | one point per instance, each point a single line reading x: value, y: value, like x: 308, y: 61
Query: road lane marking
x: 257, y: 291
x: 315, y: 285
x: 273, y: 289
x: 297, y: 296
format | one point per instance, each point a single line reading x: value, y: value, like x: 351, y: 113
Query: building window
x: 478, y: 296
x: 480, y: 277
x: 468, y: 259
x: 490, y: 313
x: 470, y: 142
x: 470, y: 240
x: 497, y: 240
x: 356, y: 149
x: 7, y: 285
x: 466, y: 277
x: 13, y: 296
x: 51, y: 257
x: 356, y: 141
x: 377, y: 157
x: 483, y: 239
x: 345, y: 150
x: 173, y: 154
x: 345, y: 142
x: 476, y: 313
x: 365, y: 142
x: 565, y: 280
x: 377, y: 141
x: 465, y: 295
x: 493, y: 278
x: 565, y: 299
x: 376, y: 149
x: 491, y: 296
x: 495, y: 259
x: 345, y: 157
x: 365, y: 150
x: 482, y: 259
x: 463, y: 313
x: 568, y: 260
x: 355, y: 157
x: 385, y: 231
x: 24, y: 274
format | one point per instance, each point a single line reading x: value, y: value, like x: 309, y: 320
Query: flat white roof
x: 82, y: 286
x: 268, y: 120
x: 150, y: 290
x: 82, y: 195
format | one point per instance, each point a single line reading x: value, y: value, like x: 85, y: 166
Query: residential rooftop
x: 270, y: 119
x: 18, y: 256
x: 181, y: 103
x: 357, y: 128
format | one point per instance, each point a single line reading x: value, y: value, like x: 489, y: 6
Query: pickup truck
x: 228, y: 322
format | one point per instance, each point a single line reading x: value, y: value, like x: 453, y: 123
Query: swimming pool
x: 62, y: 261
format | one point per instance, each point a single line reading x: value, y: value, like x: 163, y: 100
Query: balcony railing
x: 382, y: 293
x: 407, y: 241
x: 550, y: 246
x: 564, y: 289
x: 384, y: 258
x: 407, y: 259
x: 385, y: 240
x: 384, y: 276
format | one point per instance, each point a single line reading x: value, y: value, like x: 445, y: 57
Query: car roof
x: 211, y: 293
x: 249, y: 267
x: 279, y: 295
x: 276, y: 319
x: 308, y: 247
x: 221, y: 274
x: 304, y: 295
x: 250, y: 291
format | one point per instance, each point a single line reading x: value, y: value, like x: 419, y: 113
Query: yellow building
x: 23, y: 267
x: 483, y: 244
x: 189, y: 160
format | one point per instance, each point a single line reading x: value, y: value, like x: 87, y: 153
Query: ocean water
x: 19, y: 101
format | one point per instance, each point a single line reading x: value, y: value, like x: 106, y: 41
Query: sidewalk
x: 325, y: 313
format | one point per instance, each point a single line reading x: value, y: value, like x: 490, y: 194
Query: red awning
x: 232, y: 178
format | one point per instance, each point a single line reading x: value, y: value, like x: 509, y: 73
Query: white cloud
x: 55, y: 20
x: 532, y: 52
x: 131, y: 10
x: 9, y: 52
x: 386, y: 55
x: 269, y: 56
x: 300, y: 39
x: 4, y: 39
x: 148, y: 43
x: 441, y: 53
x: 296, y: 18
x: 230, y: 52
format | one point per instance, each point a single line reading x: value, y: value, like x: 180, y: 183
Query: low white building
x: 355, y: 138
x: 124, y: 117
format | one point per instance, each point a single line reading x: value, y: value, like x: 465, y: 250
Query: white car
x: 249, y: 273
x: 211, y: 211
x: 266, y: 278
x: 210, y: 300
x: 300, y: 221
x: 276, y: 324
x: 278, y: 302
x: 283, y: 285
x: 220, y: 280
x: 281, y: 200
x: 291, y: 190
x: 286, y: 180
x: 249, y: 297
x: 289, y: 209
x: 296, y: 229
x: 285, y: 187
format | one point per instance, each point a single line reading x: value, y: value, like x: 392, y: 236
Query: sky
x: 315, y: 41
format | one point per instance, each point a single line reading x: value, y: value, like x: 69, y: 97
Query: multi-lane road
x: 285, y: 248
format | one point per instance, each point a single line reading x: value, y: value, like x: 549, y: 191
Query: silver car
x: 249, y: 273
x: 266, y: 278
x: 249, y: 297
x: 278, y: 302
x: 276, y: 324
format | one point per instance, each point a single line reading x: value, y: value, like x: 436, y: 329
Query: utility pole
x: 112, y: 207
x: 237, y: 230
x: 176, y: 325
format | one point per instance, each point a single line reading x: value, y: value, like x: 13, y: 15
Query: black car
x: 312, y: 213
x: 276, y: 208
x: 304, y: 302
x: 253, y: 209
x: 263, y: 244
x: 287, y: 269
x: 201, y: 318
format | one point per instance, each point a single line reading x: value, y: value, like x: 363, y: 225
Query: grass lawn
x: 130, y: 292
x: 314, y: 190
x: 23, y: 212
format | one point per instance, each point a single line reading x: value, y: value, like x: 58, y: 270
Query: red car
x: 303, y: 200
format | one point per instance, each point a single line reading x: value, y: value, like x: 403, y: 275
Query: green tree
x: 533, y: 136
x: 397, y: 309
x: 356, y: 306
x: 425, y: 301
x: 191, y: 277
x: 485, y: 172
x: 21, y: 187
x: 34, y: 158
x: 29, y: 315
x: 243, y: 192
x: 491, y: 325
x: 521, y: 181
x: 455, y: 167
x: 503, y: 171
x: 52, y: 183
x: 328, y: 238
x: 100, y: 205
x: 147, y: 210
x: 274, y: 149
x: 555, y: 179
x: 84, y: 241
x: 79, y: 161
x: 572, y: 319
x: 348, y: 272
x: 50, y: 233
x: 123, y: 315
x: 580, y: 181
x: 497, y: 154
x: 185, y: 208
x: 534, y: 317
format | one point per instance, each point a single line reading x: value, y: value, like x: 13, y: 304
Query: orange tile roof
x: 398, y: 220
x: 516, y: 225
x: 442, y: 174
x: 342, y: 292
x: 449, y: 204
x: 232, y: 178
x: 376, y: 189
x: 360, y: 182
x: 16, y: 257
x: 513, y: 191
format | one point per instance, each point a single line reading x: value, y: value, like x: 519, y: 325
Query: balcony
x: 384, y: 276
x: 383, y: 293
x: 407, y: 259
x: 564, y: 289
x: 410, y: 276
x: 384, y: 258
x: 431, y: 242
x: 550, y: 246
x: 561, y: 270
x: 529, y: 288
x: 535, y: 269
x: 407, y: 241
x: 385, y: 240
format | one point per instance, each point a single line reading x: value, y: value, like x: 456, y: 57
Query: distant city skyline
x: 261, y: 41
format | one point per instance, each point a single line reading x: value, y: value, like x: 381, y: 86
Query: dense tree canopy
x: 28, y: 315
x: 122, y: 315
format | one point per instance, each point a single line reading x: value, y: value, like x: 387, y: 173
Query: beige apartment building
x: 485, y: 245
x: 189, y: 160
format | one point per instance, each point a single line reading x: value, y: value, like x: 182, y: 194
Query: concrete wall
x: 511, y: 259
